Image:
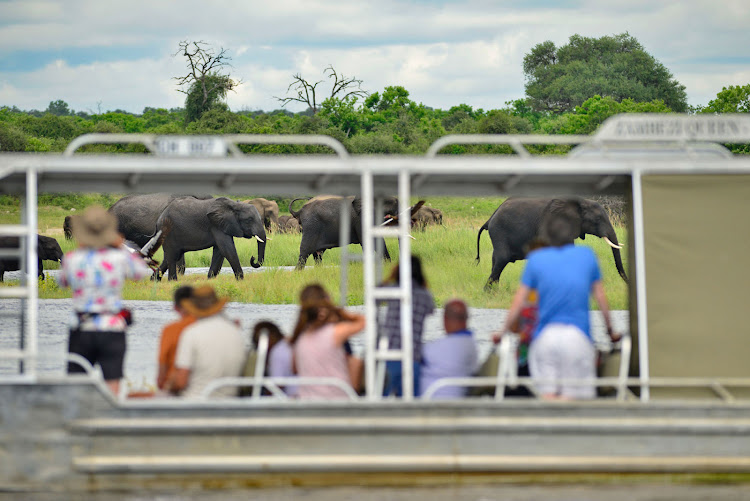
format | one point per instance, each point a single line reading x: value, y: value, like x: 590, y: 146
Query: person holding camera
x: 96, y: 273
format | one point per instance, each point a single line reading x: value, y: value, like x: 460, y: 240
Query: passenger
x: 211, y: 347
x: 356, y: 365
x: 170, y: 336
x: 563, y: 275
x: 452, y: 356
x: 318, y: 339
x: 422, y: 306
x: 279, y: 356
x: 96, y: 273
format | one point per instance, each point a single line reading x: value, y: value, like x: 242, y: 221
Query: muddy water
x: 151, y: 316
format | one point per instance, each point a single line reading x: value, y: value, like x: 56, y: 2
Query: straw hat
x: 204, y: 302
x: 96, y: 227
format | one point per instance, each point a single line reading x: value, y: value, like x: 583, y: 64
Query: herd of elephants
x: 184, y: 223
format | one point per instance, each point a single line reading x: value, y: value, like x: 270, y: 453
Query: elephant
x: 193, y: 224
x: 288, y: 224
x: 47, y: 250
x: 319, y: 219
x: 268, y: 209
x: 515, y: 224
x: 68, y: 227
x: 426, y: 216
x: 137, y: 216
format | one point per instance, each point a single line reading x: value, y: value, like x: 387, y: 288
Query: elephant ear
x: 357, y: 206
x: 559, y: 206
x: 222, y: 216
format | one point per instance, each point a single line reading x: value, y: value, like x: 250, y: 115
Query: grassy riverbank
x: 448, y: 254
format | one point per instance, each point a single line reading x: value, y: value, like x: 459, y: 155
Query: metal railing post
x: 32, y: 285
x: 368, y: 266
x: 640, y: 284
x: 405, y: 286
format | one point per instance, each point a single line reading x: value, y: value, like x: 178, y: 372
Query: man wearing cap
x: 211, y: 347
x: 96, y: 273
x: 170, y: 336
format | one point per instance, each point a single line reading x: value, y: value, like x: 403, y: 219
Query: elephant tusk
x: 614, y: 246
x: 387, y: 221
x: 259, y: 239
x: 410, y: 236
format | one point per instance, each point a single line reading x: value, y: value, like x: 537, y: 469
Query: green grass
x: 448, y: 255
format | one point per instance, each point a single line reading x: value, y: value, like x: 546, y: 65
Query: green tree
x: 343, y: 88
x: 732, y: 99
x: 586, y: 118
x: 206, y: 86
x: 59, y: 108
x: 561, y: 78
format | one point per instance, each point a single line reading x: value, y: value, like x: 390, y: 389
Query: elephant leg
x: 171, y: 257
x: 305, y: 249
x: 217, y: 259
x: 40, y: 269
x: 386, y: 256
x: 225, y: 243
x: 499, y: 262
x: 318, y: 256
x: 181, y: 265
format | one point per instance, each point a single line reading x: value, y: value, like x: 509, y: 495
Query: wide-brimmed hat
x: 96, y: 227
x: 204, y: 302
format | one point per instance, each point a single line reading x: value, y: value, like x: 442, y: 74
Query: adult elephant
x: 47, y: 250
x: 192, y: 224
x: 137, y: 216
x: 320, y: 222
x: 269, y: 211
x: 515, y: 223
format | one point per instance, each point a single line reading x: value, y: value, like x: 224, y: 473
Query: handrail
x: 228, y: 143
x: 515, y: 141
x: 272, y: 384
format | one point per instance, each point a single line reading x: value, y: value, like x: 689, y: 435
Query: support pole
x: 640, y: 285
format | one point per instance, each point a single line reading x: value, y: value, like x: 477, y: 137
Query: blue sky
x: 100, y: 56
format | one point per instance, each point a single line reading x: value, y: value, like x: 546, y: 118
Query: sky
x: 105, y: 55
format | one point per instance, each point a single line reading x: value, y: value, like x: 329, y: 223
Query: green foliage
x: 206, y: 94
x: 559, y: 79
x: 732, y: 99
x: 586, y: 118
x: 59, y: 108
x: 12, y: 138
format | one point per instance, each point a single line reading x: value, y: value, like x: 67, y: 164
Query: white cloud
x: 446, y: 53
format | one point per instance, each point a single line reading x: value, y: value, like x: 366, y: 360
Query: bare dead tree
x: 342, y: 88
x: 204, y: 67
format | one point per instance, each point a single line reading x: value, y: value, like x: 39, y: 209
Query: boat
x: 682, y: 383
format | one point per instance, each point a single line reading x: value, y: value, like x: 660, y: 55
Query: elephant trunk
x: 261, y: 237
x: 610, y: 234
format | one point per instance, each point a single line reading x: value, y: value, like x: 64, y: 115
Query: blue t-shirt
x: 563, y: 277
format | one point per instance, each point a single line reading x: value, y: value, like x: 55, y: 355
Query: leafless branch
x: 307, y: 92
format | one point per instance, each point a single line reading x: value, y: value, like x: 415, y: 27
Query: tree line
x: 570, y: 89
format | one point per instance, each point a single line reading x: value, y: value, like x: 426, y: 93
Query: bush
x: 12, y: 138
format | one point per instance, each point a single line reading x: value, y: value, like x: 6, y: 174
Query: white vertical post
x: 640, y: 284
x: 404, y: 265
x: 368, y: 265
x: 31, y: 267
x: 344, y: 239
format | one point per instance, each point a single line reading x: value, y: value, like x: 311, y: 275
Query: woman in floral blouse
x: 96, y: 273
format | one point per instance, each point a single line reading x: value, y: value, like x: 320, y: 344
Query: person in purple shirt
x: 564, y: 277
x: 452, y: 356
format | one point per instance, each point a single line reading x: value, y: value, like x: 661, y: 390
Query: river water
x: 151, y: 316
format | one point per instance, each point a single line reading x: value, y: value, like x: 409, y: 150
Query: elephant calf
x: 289, y: 224
x: 47, y: 249
x: 426, y: 216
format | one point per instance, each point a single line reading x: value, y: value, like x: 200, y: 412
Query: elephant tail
x: 292, y: 211
x: 484, y: 227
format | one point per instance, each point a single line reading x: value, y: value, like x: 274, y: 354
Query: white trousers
x: 563, y: 351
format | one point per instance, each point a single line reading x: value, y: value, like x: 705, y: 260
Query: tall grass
x: 448, y: 255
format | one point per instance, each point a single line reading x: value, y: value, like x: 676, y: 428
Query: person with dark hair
x: 210, y: 348
x: 318, y: 342
x: 564, y: 276
x: 170, y: 337
x: 452, y: 356
x: 279, y: 358
x: 422, y: 306
x: 96, y: 272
